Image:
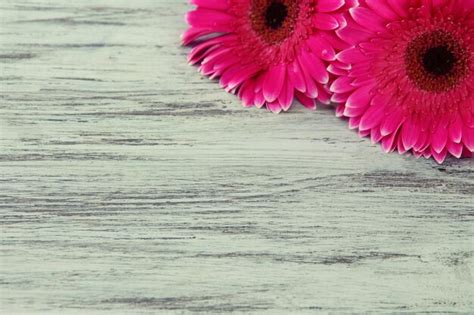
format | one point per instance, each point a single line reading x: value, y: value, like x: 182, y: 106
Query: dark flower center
x: 439, y: 60
x: 276, y: 15
x: 274, y: 20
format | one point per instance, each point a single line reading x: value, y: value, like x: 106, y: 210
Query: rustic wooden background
x: 129, y: 184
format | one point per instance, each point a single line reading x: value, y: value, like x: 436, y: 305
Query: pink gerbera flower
x: 267, y: 51
x: 409, y: 78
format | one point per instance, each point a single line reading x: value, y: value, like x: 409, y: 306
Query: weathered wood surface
x: 130, y: 184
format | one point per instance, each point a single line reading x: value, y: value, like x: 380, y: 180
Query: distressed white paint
x: 128, y: 183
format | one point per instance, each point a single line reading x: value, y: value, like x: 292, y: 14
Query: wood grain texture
x: 130, y: 184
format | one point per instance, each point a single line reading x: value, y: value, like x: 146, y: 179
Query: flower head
x: 407, y: 80
x: 268, y: 52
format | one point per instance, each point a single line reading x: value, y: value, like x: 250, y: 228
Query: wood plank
x: 129, y: 183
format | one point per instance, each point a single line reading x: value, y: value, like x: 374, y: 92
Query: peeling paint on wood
x: 130, y: 184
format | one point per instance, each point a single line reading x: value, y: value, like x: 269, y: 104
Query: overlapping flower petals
x: 262, y: 73
x: 379, y: 99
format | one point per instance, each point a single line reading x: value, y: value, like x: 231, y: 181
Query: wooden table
x: 130, y: 184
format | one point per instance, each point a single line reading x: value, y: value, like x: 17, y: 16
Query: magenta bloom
x: 267, y: 51
x: 409, y: 79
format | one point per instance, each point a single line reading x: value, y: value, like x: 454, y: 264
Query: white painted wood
x: 130, y: 184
